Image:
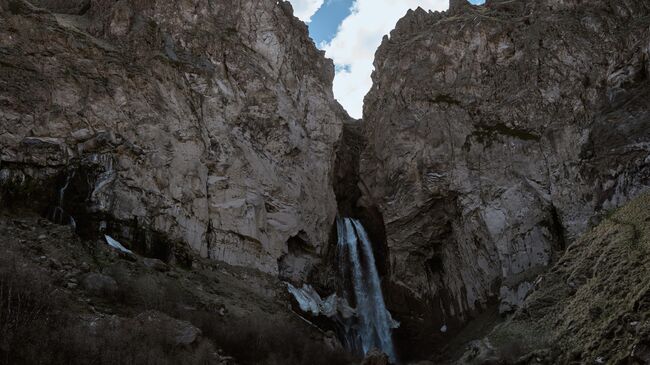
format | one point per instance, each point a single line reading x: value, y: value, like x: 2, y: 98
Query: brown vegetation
x: 43, y: 323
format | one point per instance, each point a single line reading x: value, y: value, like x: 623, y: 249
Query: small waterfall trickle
x: 357, y: 260
x: 58, y: 215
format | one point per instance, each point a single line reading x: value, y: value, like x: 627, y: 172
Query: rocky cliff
x: 207, y: 124
x: 493, y: 138
x: 496, y: 135
x: 591, y: 307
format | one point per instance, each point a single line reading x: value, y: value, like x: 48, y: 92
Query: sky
x: 350, y: 31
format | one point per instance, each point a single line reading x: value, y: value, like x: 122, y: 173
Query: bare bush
x: 25, y: 307
x: 264, y: 340
x: 38, y: 327
x: 130, y: 343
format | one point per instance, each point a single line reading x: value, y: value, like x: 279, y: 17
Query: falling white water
x: 103, y: 180
x: 58, y: 215
x: 375, y: 322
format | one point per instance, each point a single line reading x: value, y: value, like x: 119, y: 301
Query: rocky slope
x: 592, y: 307
x: 66, y: 300
x: 496, y: 135
x: 207, y: 124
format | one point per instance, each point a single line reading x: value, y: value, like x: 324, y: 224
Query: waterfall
x: 58, y: 214
x: 356, y: 258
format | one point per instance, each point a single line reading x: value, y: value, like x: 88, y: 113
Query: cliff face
x: 591, y: 307
x: 496, y: 135
x: 206, y: 123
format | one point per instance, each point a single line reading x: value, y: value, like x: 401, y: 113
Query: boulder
x: 99, y: 284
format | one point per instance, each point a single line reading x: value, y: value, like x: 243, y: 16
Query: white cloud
x: 305, y: 9
x: 353, y: 48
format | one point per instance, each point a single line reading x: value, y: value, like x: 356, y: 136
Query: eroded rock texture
x: 206, y: 123
x: 495, y: 135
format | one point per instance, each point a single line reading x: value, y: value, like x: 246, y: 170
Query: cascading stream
x: 356, y: 257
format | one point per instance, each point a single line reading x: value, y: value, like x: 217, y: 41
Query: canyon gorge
x: 183, y: 164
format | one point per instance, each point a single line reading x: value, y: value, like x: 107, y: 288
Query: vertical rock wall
x: 206, y: 123
x: 496, y: 135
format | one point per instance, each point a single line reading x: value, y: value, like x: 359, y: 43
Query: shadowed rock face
x: 495, y: 134
x: 206, y: 123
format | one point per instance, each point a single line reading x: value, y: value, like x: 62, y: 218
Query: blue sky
x: 327, y: 19
x: 350, y: 31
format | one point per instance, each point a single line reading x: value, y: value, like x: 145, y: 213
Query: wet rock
x: 376, y: 357
x: 311, y: 302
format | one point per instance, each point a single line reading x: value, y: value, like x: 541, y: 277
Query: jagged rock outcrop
x: 495, y: 135
x: 207, y: 123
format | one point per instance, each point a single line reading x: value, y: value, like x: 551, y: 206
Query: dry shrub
x: 130, y: 343
x: 26, y: 307
x: 269, y: 341
x: 36, y: 327
x: 147, y: 292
